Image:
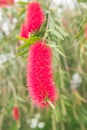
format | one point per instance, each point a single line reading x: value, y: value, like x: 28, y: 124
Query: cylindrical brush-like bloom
x: 86, y: 31
x: 39, y: 75
x: 34, y: 16
x: 23, y: 31
x: 16, y: 115
x: 4, y: 3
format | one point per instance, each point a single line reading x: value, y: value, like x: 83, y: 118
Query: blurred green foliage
x: 64, y: 32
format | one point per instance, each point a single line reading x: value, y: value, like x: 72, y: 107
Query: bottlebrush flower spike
x: 86, y: 30
x: 39, y: 74
x: 16, y: 113
x: 4, y: 3
x: 34, y: 17
x: 23, y: 31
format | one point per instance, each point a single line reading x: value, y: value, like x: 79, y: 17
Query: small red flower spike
x: 23, y: 31
x: 16, y: 113
x: 34, y: 17
x: 39, y: 74
x: 86, y: 30
x: 4, y: 3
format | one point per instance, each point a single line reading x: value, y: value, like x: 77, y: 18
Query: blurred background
x: 68, y: 40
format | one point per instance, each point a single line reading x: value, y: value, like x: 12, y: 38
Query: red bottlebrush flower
x: 23, y: 31
x: 34, y: 16
x: 39, y: 74
x: 86, y: 30
x: 4, y: 3
x: 16, y: 113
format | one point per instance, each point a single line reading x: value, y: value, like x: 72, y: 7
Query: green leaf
x: 51, y: 105
x: 51, y: 22
x: 33, y: 38
x: 23, y: 3
x: 22, y: 38
x: 22, y: 53
x: 57, y: 34
x: 30, y: 41
x: 79, y: 33
x: 63, y: 97
x: 22, y: 11
x: 64, y: 112
x: 23, y: 46
x: 59, y: 52
x: 20, y: 99
x: 61, y: 31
